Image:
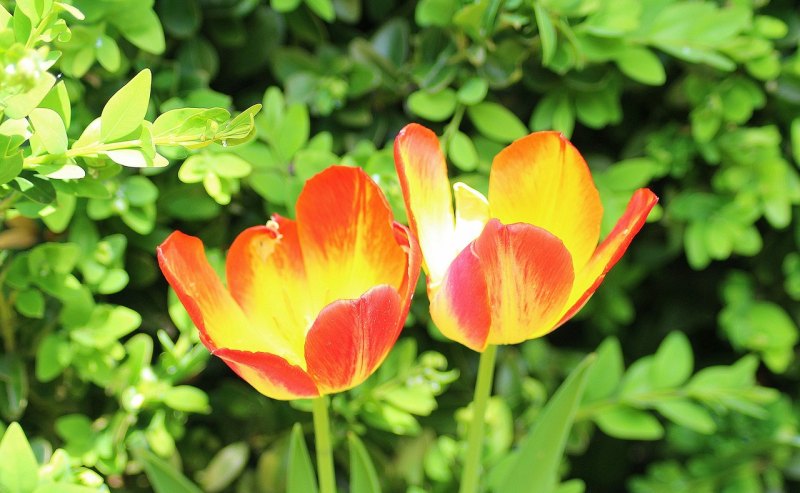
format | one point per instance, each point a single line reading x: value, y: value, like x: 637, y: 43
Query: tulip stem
x: 483, y: 388
x: 322, y: 433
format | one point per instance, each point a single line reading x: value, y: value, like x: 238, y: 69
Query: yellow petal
x: 542, y: 180
x: 472, y: 213
x: 422, y: 171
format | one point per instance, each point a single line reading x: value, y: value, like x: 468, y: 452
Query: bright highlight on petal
x: 313, y: 306
x: 519, y: 264
x: 422, y: 171
x: 472, y: 213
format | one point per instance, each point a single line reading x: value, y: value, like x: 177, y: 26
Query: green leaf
x: 496, y: 122
x: 795, y: 136
x: 540, y: 453
x: 547, y: 33
x: 436, y: 107
x: 300, y: 474
x: 284, y: 5
x: 140, y: 26
x: 163, y: 478
x: 181, y: 18
x: 363, y: 477
x: 18, y: 468
x: 606, y: 372
x: 188, y: 399
x: 293, y: 132
x: 673, y: 363
x: 30, y: 303
x: 126, y: 109
x: 49, y: 127
x: 629, y: 423
x: 686, y: 413
x: 139, y: 191
x: 230, y: 165
x: 12, y: 166
x: 226, y: 466
x: 58, y: 100
x: 34, y: 188
x: 52, y: 356
x: 323, y: 8
x: 20, y: 105
x: 642, y: 65
x: 473, y: 91
x: 107, y: 52
x: 35, y: 10
x: 462, y: 152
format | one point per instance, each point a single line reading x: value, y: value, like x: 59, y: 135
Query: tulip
x: 519, y: 264
x: 312, y: 306
x: 513, y: 266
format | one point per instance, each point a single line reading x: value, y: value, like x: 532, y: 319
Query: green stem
x: 483, y: 389
x: 322, y: 433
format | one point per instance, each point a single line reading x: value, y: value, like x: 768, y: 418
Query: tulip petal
x: 610, y: 251
x: 542, y: 180
x: 215, y: 313
x: 472, y: 213
x: 350, y: 338
x: 408, y: 242
x: 267, y: 278
x: 271, y: 375
x: 460, y: 303
x: 422, y: 171
x: 528, y: 278
x: 346, y: 229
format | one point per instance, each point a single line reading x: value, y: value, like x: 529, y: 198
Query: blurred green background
x: 696, y: 383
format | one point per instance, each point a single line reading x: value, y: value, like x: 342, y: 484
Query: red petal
x: 528, y: 277
x: 409, y: 243
x: 220, y: 320
x: 460, y: 304
x: 350, y: 338
x: 271, y: 375
x: 610, y: 251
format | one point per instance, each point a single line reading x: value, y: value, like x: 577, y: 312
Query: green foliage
x: 119, y: 123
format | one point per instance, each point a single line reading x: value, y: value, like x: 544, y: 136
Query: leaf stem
x: 322, y: 433
x: 483, y: 389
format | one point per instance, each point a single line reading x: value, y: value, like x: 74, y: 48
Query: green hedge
x: 696, y: 376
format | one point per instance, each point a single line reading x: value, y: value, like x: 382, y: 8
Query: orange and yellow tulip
x: 519, y: 264
x: 312, y: 306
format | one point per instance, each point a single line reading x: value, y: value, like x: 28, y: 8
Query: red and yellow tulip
x: 312, y: 306
x: 517, y: 265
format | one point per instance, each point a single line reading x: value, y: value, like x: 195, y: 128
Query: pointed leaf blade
x: 541, y: 451
x: 363, y: 477
x: 301, y: 478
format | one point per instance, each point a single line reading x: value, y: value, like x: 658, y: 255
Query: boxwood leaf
x: 126, y: 109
